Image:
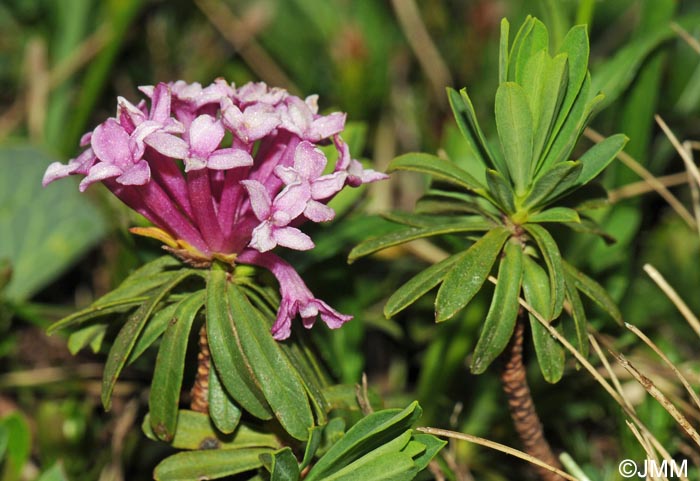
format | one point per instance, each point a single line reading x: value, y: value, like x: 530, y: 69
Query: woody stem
x: 199, y: 394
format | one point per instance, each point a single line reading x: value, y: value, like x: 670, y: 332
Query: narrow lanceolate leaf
x: 419, y: 285
x: 128, y: 335
x: 465, y: 224
x: 534, y: 39
x: 422, y: 220
x: 555, y: 214
x: 564, y: 172
x: 599, y: 157
x: 222, y: 410
x: 578, y: 314
x: 164, y: 397
x: 369, y: 433
x: 433, y: 165
x: 154, y: 329
x: 468, y: 275
x: 500, y: 189
x: 550, y: 253
x: 503, y: 51
x: 550, y: 354
x: 208, y: 464
x: 551, y: 92
x: 466, y: 121
x: 282, y: 465
x: 514, y: 125
x: 576, y: 48
x: 278, y: 380
x: 593, y: 291
x: 500, y: 320
x: 233, y: 368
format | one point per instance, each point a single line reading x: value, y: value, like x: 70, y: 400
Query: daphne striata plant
x: 509, y: 192
x: 227, y: 175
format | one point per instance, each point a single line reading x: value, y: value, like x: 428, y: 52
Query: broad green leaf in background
x: 468, y: 275
x: 208, y: 464
x: 500, y: 320
x: 18, y: 447
x: 42, y: 230
x: 196, y: 431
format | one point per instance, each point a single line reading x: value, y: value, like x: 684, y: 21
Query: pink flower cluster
x: 225, y: 172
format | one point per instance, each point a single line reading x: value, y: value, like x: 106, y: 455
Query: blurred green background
x: 386, y: 63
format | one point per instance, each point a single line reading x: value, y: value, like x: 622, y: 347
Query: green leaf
x: 576, y: 48
x: 208, y: 464
x: 422, y: 220
x: 578, y: 315
x: 166, y: 384
x: 589, y: 226
x: 550, y: 354
x: 503, y: 51
x: 500, y: 320
x: 282, y: 465
x: 372, y: 245
x: 154, y: 329
x: 224, y: 338
x: 515, y: 130
x: 555, y: 214
x: 550, y: 91
x: 581, y: 111
x: 93, y: 312
x: 196, y: 431
x: 42, y: 231
x: 92, y: 334
x: 129, y: 333
x: 468, y: 123
x: 54, y: 473
x: 278, y: 380
x: 501, y: 190
x: 370, y: 432
x: 593, y: 291
x: 468, y: 275
x: 545, y: 185
x: 223, y: 411
x: 419, y: 284
x: 312, y: 445
x: 387, y: 462
x: 18, y: 448
x: 534, y: 38
x: 435, y: 166
x: 432, y: 445
x: 599, y: 157
x: 552, y: 257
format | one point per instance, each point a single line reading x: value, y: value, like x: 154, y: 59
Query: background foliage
x: 386, y: 64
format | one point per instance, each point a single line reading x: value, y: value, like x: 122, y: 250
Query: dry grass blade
x: 660, y: 397
x: 685, y: 35
x: 651, y: 454
x: 498, y: 447
x: 423, y: 46
x: 611, y: 373
x: 596, y: 375
x: 635, y: 189
x: 648, y: 177
x: 674, y: 297
x: 668, y: 362
x: 237, y: 34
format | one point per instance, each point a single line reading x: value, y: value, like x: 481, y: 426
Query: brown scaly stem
x: 199, y: 395
x: 522, y: 408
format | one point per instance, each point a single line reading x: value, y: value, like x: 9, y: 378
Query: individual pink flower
x: 216, y: 196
